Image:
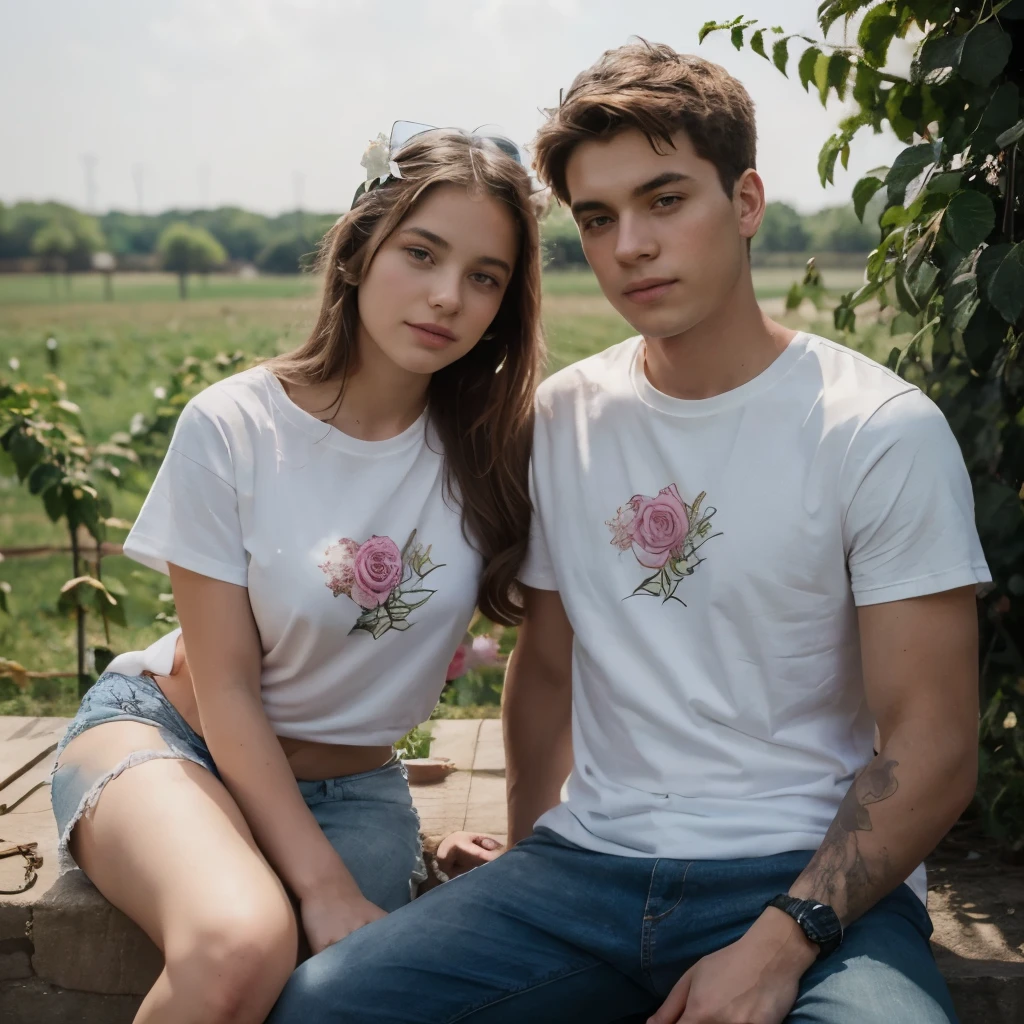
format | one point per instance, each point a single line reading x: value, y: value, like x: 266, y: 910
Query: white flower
x: 138, y: 424
x: 51, y: 344
x: 377, y: 158
x: 160, y: 393
x: 14, y: 363
x: 1010, y: 721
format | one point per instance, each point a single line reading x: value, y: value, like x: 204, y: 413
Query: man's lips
x: 649, y: 289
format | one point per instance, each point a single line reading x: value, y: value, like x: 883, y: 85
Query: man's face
x: 667, y: 244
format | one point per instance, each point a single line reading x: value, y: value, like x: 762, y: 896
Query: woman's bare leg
x: 168, y: 846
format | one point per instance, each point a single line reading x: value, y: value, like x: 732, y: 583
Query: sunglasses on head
x: 403, y: 132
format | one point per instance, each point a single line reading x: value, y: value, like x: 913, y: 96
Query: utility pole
x: 89, y: 165
x: 204, y: 186
x: 138, y: 175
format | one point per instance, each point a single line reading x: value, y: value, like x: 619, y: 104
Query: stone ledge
x: 66, y: 955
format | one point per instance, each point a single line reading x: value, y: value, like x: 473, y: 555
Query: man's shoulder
x: 607, y: 371
x: 879, y: 406
x: 854, y: 378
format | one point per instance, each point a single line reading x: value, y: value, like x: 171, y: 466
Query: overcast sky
x: 269, y: 103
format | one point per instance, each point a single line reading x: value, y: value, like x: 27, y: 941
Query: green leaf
x: 706, y: 29
x: 794, y: 296
x: 905, y: 168
x: 969, y: 219
x: 780, y: 54
x: 961, y: 299
x: 1005, y: 286
x: 25, y: 451
x: 821, y: 66
x: 876, y: 33
x: 737, y: 37
x: 757, y: 43
x: 983, y: 337
x: 55, y: 502
x: 862, y: 193
x: 946, y: 183
x: 830, y: 11
x: 1011, y: 135
x: 1003, y: 109
x: 806, y: 66
x: 985, y: 52
x: 939, y: 56
x: 827, y: 159
x: 838, y: 72
x: 44, y: 475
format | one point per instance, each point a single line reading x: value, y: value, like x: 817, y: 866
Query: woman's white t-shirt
x: 360, y: 579
x: 711, y: 556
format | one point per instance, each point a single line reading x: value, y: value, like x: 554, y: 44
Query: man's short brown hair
x: 650, y: 87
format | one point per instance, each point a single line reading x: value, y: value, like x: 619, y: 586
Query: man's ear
x: 748, y: 199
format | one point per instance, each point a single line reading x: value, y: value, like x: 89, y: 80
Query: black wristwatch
x: 819, y: 922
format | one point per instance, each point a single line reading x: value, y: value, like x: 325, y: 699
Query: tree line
x: 65, y: 239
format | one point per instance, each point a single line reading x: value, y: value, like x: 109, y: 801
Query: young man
x: 751, y: 546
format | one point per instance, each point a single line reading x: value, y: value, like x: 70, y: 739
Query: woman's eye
x: 419, y: 255
x: 485, y: 279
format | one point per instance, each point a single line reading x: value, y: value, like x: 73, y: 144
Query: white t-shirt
x: 710, y: 555
x: 359, y: 576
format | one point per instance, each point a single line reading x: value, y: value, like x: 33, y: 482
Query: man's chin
x: 665, y: 325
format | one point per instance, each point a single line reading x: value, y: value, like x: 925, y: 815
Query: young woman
x: 329, y: 519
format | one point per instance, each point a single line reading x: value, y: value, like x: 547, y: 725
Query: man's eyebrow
x: 491, y: 261
x: 668, y: 178
x: 662, y: 179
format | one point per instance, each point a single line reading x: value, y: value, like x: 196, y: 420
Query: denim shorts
x: 369, y: 818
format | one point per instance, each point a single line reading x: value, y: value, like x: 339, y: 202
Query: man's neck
x: 725, y: 350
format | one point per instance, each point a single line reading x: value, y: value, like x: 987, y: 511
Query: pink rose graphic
x: 659, y: 527
x: 378, y: 570
x: 621, y: 526
x: 339, y: 566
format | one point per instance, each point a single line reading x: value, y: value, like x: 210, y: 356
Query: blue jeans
x: 550, y: 933
x: 368, y: 818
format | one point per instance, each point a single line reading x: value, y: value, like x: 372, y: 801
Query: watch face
x: 821, y: 924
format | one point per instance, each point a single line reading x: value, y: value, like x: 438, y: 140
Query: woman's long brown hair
x: 482, y: 404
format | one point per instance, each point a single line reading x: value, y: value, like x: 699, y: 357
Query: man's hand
x: 753, y: 981
x: 459, y: 852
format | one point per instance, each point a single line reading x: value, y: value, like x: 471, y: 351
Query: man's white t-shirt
x: 361, y: 582
x: 711, y: 555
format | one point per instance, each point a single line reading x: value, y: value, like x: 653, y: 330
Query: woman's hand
x: 329, y: 917
x: 459, y: 852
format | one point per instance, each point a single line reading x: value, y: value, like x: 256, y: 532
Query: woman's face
x: 434, y: 286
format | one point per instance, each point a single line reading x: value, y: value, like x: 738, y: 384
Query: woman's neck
x: 379, y: 400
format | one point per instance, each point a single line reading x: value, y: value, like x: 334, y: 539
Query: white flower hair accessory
x: 378, y: 164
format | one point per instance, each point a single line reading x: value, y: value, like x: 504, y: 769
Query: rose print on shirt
x: 386, y: 583
x: 664, y: 534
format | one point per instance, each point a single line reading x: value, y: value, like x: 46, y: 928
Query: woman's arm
x: 225, y: 656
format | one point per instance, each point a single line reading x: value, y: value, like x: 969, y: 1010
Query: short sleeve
x: 909, y: 528
x: 538, y: 571
x: 190, y: 516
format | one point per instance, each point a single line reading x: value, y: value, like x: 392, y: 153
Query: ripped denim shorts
x: 369, y: 818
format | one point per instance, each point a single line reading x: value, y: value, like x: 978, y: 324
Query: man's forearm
x: 537, y: 717
x: 895, y: 813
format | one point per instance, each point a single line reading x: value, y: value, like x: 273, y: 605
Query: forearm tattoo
x: 839, y: 874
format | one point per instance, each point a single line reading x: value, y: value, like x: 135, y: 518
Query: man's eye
x: 665, y: 201
x: 596, y: 222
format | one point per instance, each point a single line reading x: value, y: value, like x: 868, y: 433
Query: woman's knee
x: 236, y: 961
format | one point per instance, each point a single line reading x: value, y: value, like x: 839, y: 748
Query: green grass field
x: 114, y: 354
